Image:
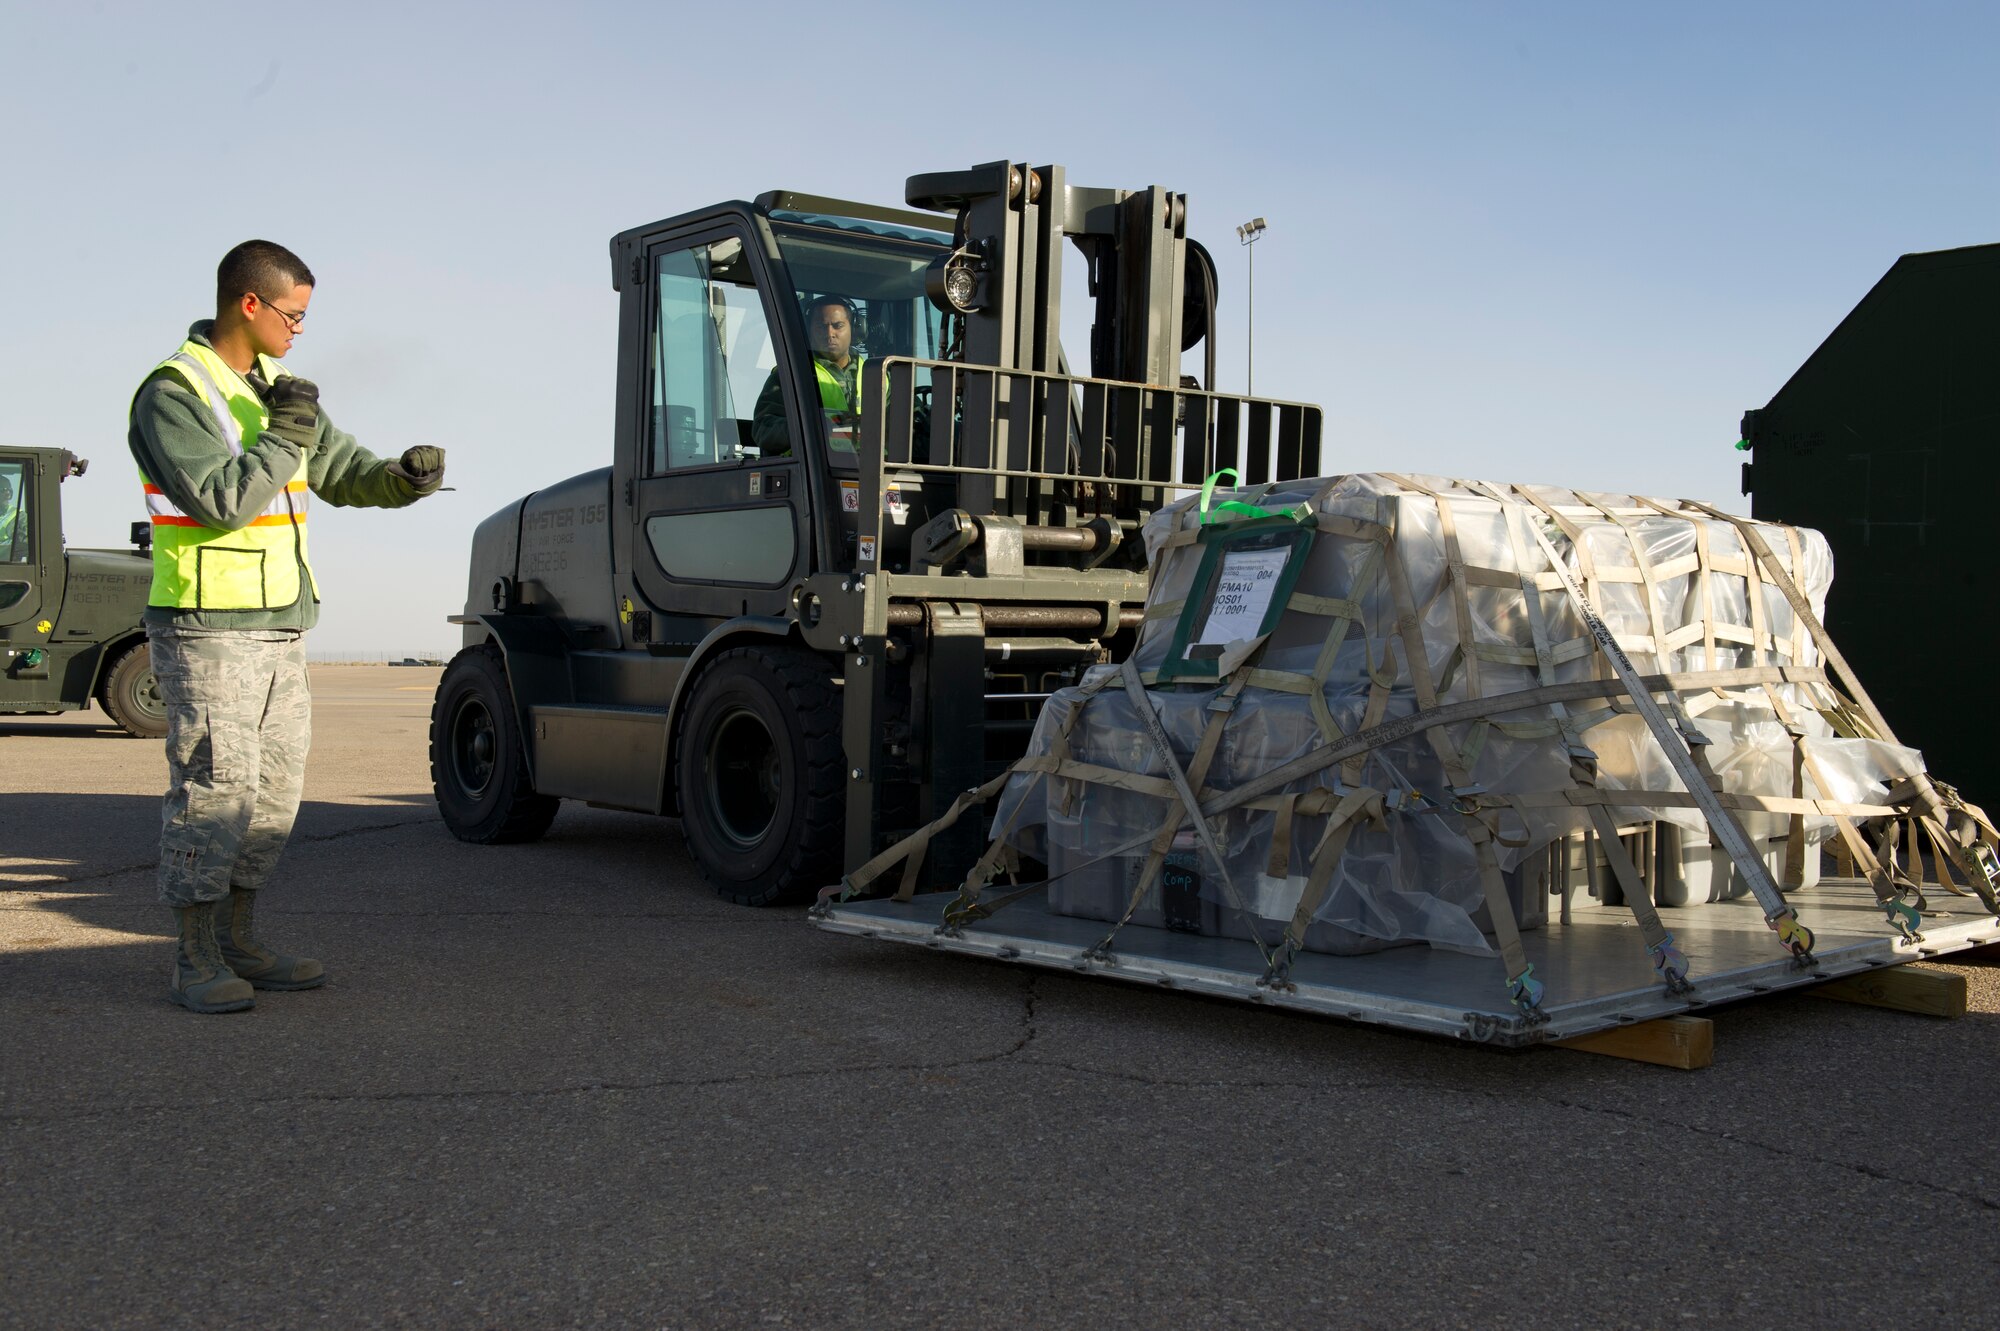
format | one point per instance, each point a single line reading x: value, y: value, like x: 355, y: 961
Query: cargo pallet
x: 1598, y: 973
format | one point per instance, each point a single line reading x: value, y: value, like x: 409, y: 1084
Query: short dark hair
x: 259, y: 267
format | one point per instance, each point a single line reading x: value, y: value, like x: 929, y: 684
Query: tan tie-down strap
x: 1667, y: 957
x: 910, y: 851
x: 1355, y: 806
x: 1184, y: 785
x: 1522, y: 987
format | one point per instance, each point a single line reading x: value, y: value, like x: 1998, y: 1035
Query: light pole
x: 1248, y: 234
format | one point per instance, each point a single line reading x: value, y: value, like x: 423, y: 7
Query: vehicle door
x: 21, y: 574
x: 720, y: 500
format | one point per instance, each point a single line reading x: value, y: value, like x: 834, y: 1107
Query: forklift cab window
x: 877, y: 272
x: 711, y: 352
x: 14, y: 513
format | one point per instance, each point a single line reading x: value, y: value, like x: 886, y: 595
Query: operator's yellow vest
x: 831, y: 395
x: 197, y: 567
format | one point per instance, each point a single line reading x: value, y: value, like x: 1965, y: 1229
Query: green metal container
x: 1887, y: 440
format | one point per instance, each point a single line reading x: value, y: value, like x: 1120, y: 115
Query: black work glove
x: 422, y: 467
x: 293, y: 404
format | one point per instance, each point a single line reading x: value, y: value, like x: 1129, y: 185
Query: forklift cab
x: 730, y: 445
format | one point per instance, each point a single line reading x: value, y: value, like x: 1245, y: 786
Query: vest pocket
x: 229, y: 578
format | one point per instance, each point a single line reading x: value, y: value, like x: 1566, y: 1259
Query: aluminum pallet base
x: 1596, y: 968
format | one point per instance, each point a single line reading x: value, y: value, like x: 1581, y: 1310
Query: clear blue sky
x: 1562, y: 242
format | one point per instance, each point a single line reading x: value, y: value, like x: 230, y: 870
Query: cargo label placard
x: 1243, y: 592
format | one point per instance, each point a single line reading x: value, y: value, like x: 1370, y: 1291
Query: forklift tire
x: 130, y: 695
x: 479, y: 767
x: 763, y: 777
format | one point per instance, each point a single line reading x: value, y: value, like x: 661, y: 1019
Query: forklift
x: 806, y: 625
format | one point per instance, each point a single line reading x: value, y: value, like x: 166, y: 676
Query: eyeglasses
x: 294, y: 320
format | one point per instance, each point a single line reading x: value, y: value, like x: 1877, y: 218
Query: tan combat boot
x: 255, y: 962
x: 202, y: 981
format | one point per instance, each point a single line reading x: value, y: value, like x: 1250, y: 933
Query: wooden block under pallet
x: 1674, y: 1042
x: 1903, y: 988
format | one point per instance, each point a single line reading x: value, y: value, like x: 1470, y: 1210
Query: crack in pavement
x: 1656, y: 1121
x: 1029, y: 1001
x: 1030, y: 998
x: 1009, y: 1054
x: 1780, y: 1151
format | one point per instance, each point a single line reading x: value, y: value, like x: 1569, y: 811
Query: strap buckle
x: 1526, y: 992
x: 1671, y: 964
x: 1906, y: 918
x: 1795, y: 936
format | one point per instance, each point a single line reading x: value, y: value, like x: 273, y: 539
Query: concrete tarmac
x: 563, y: 1085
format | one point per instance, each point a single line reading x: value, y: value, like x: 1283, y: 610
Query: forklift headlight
x: 952, y: 282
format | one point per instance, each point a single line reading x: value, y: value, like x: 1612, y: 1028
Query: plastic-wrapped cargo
x: 1284, y: 621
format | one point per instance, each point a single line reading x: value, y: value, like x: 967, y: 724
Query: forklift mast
x: 1012, y: 220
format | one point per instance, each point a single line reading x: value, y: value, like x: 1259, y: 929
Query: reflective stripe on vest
x: 831, y: 395
x: 198, y: 567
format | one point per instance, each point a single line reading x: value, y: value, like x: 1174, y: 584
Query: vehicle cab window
x: 859, y: 288
x: 711, y: 355
x: 15, y: 547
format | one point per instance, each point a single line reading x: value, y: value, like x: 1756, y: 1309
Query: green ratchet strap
x: 1213, y: 510
x: 1227, y: 505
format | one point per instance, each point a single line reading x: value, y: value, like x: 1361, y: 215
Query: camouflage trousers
x: 239, y: 721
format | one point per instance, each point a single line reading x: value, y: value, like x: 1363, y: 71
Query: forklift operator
x: 831, y: 323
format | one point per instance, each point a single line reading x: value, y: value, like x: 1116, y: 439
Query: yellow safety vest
x: 197, y: 567
x: 831, y: 395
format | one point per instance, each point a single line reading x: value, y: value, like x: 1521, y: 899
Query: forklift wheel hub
x: 743, y: 776
x: 473, y: 747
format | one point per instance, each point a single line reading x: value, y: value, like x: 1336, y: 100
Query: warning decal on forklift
x: 850, y: 496
x: 867, y: 550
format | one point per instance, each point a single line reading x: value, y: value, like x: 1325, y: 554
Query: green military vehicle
x: 70, y: 629
x: 807, y: 628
